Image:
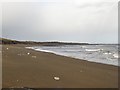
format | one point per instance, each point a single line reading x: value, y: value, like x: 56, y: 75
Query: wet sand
x: 28, y: 68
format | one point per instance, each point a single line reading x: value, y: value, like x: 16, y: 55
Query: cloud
x: 94, y: 4
x: 60, y: 21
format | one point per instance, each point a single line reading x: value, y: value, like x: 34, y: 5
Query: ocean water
x: 106, y: 54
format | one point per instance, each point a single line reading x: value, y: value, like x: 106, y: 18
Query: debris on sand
x: 19, y: 54
x: 56, y: 78
x: 28, y: 53
x: 33, y: 56
x: 7, y: 48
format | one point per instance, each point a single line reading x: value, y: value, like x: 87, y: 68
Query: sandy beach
x: 28, y: 68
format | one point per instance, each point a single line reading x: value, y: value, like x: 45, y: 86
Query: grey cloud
x: 45, y: 22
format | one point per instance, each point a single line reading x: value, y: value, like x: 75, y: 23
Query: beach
x: 23, y: 67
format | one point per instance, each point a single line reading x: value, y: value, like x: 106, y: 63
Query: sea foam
x: 106, y: 54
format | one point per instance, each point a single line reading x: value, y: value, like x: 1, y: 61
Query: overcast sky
x: 93, y: 21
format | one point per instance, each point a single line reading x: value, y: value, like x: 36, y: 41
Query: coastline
x: 77, y: 57
x: 38, y: 69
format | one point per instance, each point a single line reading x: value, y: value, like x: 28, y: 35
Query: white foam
x: 29, y: 47
x: 92, y: 50
x: 98, y: 54
x: 44, y: 50
x: 115, y: 56
x: 107, y: 53
x: 83, y: 46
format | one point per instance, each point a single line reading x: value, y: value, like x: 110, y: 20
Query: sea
x: 106, y: 54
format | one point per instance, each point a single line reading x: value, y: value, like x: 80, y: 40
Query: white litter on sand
x: 56, y: 78
x: 28, y: 53
x: 19, y: 54
x: 33, y: 56
x: 7, y: 48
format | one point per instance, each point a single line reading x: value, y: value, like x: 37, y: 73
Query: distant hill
x: 9, y: 41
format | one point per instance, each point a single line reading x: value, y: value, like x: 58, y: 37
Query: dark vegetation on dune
x: 9, y: 41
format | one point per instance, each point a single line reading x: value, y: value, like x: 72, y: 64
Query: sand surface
x: 28, y: 68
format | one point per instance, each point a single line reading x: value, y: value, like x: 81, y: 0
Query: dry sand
x: 28, y: 68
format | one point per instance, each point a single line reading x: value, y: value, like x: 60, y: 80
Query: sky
x: 92, y: 21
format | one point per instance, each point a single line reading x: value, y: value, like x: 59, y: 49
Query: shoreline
x: 38, y: 69
x: 76, y: 58
x: 52, y: 52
